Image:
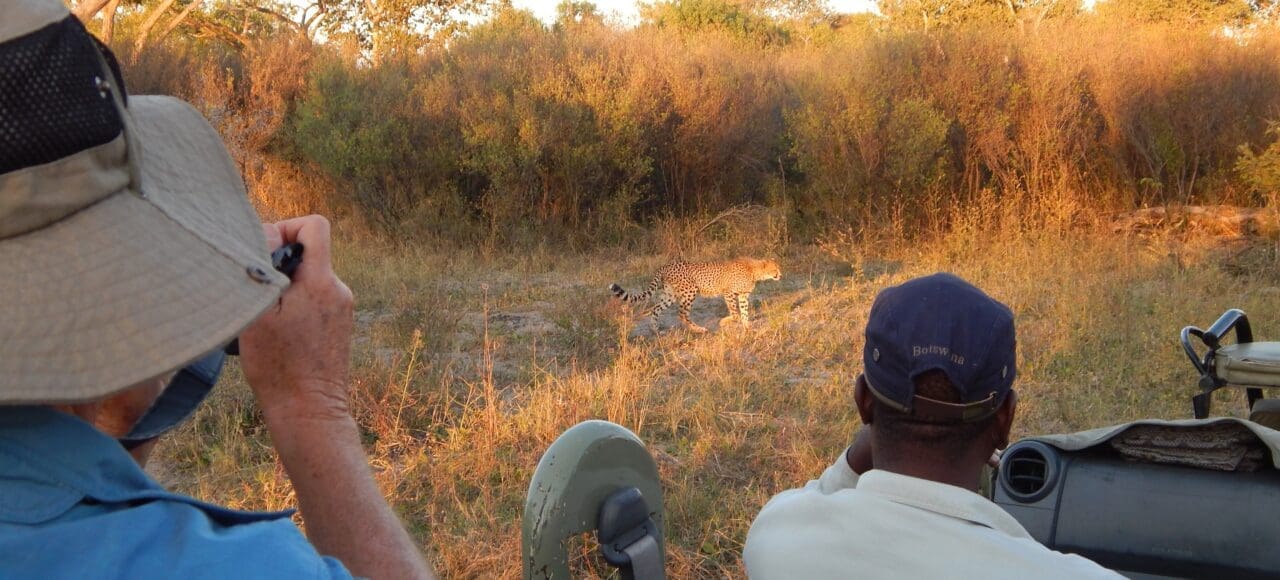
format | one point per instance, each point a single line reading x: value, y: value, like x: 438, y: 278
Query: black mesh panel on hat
x: 52, y: 102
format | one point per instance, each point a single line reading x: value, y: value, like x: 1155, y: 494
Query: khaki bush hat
x: 128, y: 247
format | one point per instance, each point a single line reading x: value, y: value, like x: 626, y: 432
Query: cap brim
x: 140, y: 283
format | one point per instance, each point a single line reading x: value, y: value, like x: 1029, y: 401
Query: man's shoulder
x: 73, y: 503
x: 161, y: 538
x: 807, y: 532
x: 803, y: 522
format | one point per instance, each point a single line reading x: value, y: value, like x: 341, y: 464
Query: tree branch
x: 179, y: 18
x: 148, y: 24
x: 87, y: 9
x: 109, y: 21
x: 221, y: 31
x: 273, y: 13
x: 315, y: 19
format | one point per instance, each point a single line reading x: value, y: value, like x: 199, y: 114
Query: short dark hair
x: 898, y: 430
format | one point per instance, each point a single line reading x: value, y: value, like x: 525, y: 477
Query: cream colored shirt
x: 885, y: 525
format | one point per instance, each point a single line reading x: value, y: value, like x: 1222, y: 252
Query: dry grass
x: 468, y: 366
x: 470, y: 360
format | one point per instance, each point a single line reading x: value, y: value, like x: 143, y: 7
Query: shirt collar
x: 57, y: 447
x: 940, y: 498
x: 63, y: 456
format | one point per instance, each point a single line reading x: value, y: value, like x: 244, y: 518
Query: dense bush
x: 376, y: 133
x: 517, y: 130
x: 1262, y: 170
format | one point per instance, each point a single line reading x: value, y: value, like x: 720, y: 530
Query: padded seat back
x: 1255, y: 364
x: 1266, y: 412
x: 576, y: 476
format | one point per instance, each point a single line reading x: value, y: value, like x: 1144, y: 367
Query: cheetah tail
x: 636, y: 297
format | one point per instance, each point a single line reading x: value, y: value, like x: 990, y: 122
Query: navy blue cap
x: 940, y: 322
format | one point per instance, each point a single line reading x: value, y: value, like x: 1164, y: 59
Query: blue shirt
x: 74, y: 504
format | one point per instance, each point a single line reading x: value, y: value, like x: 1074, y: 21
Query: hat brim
x: 142, y: 282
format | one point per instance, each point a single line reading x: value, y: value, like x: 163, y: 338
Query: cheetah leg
x: 686, y: 304
x: 730, y: 302
x: 664, y: 302
x: 661, y: 306
x: 743, y: 308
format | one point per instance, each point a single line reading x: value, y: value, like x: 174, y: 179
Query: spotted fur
x: 681, y: 282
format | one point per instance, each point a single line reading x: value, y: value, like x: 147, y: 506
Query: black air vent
x: 1028, y: 471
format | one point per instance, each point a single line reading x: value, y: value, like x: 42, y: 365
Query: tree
x: 381, y: 27
x: 807, y: 20
x: 239, y: 23
x: 574, y: 12
x: 1213, y: 12
x: 794, y: 9
x: 930, y: 14
x: 387, y: 27
x: 232, y: 21
x: 87, y: 9
x: 718, y: 15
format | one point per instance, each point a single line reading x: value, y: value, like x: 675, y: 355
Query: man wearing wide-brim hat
x: 129, y: 258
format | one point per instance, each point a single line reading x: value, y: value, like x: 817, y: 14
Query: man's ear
x: 1004, y: 420
x: 865, y: 400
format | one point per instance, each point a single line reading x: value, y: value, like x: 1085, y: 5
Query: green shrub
x: 1261, y: 171
x: 702, y: 16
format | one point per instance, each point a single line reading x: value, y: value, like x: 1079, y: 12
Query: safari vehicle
x: 1149, y: 499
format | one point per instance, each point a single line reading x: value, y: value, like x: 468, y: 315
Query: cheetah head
x: 767, y: 270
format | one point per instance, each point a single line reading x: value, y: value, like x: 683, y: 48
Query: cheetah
x: 682, y: 281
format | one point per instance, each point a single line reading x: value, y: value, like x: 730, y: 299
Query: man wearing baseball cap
x: 129, y: 258
x: 936, y: 398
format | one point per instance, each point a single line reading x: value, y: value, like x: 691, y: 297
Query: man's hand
x: 296, y: 356
x: 297, y: 360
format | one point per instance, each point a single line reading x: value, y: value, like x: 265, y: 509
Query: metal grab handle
x: 1200, y: 364
x: 1212, y: 338
x: 1233, y: 319
x: 1230, y: 319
